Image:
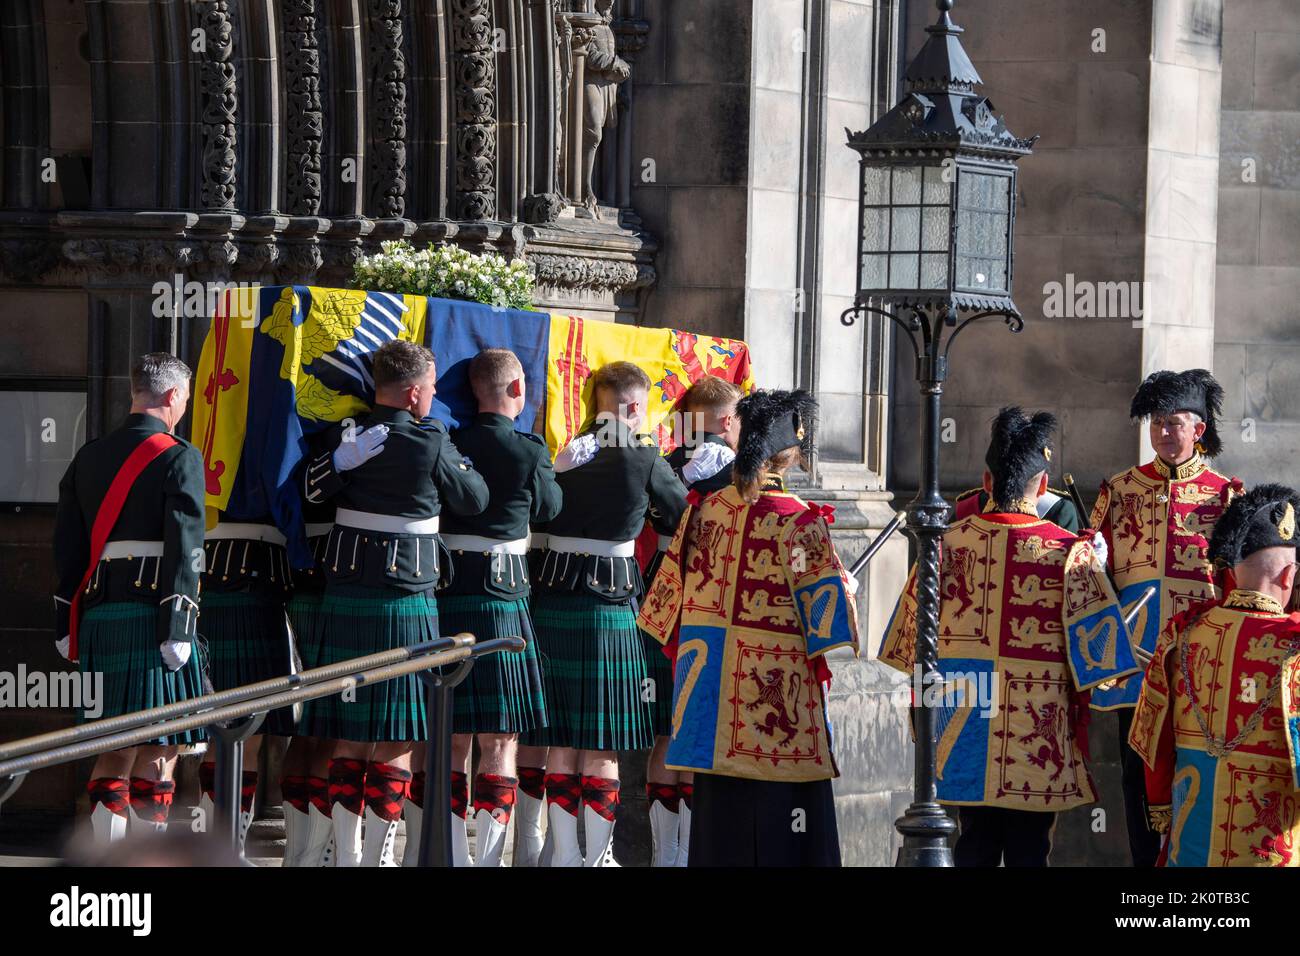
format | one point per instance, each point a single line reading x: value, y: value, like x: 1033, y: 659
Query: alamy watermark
x: 57, y: 689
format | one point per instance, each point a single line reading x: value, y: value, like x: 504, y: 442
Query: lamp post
x: 936, y: 218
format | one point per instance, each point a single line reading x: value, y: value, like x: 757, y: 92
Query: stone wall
x: 1257, y: 314
x: 1081, y: 211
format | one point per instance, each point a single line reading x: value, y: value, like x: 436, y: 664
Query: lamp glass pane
x: 983, y: 215
x: 934, y: 228
x: 934, y: 271
x: 905, y: 236
x: 936, y: 190
x: 875, y: 230
x: 875, y: 186
x: 907, y: 186
x: 875, y: 272
x: 903, y: 271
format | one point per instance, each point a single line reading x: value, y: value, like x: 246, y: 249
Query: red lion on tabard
x: 772, y: 692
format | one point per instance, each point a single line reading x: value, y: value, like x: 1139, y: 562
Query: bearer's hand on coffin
x: 578, y: 452
x: 363, y: 446
x: 64, y: 646
x: 175, y: 654
x: 707, y: 461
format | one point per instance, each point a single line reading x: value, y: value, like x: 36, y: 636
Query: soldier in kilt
x: 382, y: 561
x: 488, y: 597
x: 584, y: 610
x: 246, y: 582
x: 128, y: 541
x: 710, y: 429
x: 304, y: 784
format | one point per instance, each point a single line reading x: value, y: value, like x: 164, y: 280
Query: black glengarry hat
x: 771, y: 421
x: 1264, y: 517
x: 1196, y: 391
x: 1020, y: 447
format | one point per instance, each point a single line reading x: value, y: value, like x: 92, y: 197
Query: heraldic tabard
x: 760, y: 596
x: 1029, y: 622
x: 1157, y: 522
x: 1218, y: 726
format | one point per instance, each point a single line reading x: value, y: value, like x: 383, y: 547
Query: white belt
x: 537, y: 539
x: 473, y: 542
x: 665, y: 540
x: 601, y: 549
x: 318, y: 529
x: 226, y: 530
x: 393, y: 524
x: 132, y: 549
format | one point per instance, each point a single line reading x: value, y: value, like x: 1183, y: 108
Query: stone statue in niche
x: 605, y: 70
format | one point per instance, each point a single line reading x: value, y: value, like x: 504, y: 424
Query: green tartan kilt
x: 247, y: 642
x: 303, y: 611
x: 594, y: 671
x: 660, y: 671
x: 503, y: 693
x: 119, y: 640
x: 356, y: 621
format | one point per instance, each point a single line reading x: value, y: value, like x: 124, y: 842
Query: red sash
x: 109, y: 510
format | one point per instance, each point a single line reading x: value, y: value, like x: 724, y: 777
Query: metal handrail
x: 268, y: 702
x: 252, y: 702
x: 140, y: 718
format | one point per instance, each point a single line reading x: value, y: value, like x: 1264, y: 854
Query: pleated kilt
x: 119, y: 640
x: 594, y: 671
x: 247, y: 641
x: 503, y: 693
x: 660, y: 671
x: 357, y: 620
x: 303, y: 611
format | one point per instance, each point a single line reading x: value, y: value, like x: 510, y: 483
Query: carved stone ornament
x: 305, y: 120
x: 387, y: 66
x: 220, y: 103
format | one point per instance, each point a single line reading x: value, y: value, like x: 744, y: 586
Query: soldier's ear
x: 516, y: 388
x: 988, y: 481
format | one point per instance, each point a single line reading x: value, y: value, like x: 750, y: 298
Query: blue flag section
x: 457, y: 331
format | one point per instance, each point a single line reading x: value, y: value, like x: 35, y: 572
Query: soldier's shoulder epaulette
x: 431, y: 425
x: 968, y: 493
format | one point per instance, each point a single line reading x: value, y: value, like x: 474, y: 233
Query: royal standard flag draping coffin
x: 673, y: 359
x: 283, y: 362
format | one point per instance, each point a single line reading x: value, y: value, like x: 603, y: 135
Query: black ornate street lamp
x: 937, y: 213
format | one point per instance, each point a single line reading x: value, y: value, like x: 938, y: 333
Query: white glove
x: 851, y: 584
x: 708, y: 460
x: 175, y: 654
x: 362, y: 447
x: 1099, y: 546
x: 64, y: 646
x: 579, y: 451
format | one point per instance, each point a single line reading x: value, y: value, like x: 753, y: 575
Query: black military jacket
x: 521, y: 489
x: 417, y: 475
x: 680, y: 455
x: 165, y: 504
x: 609, y: 499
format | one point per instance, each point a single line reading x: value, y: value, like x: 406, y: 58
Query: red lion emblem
x: 772, y: 692
x: 958, y: 578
